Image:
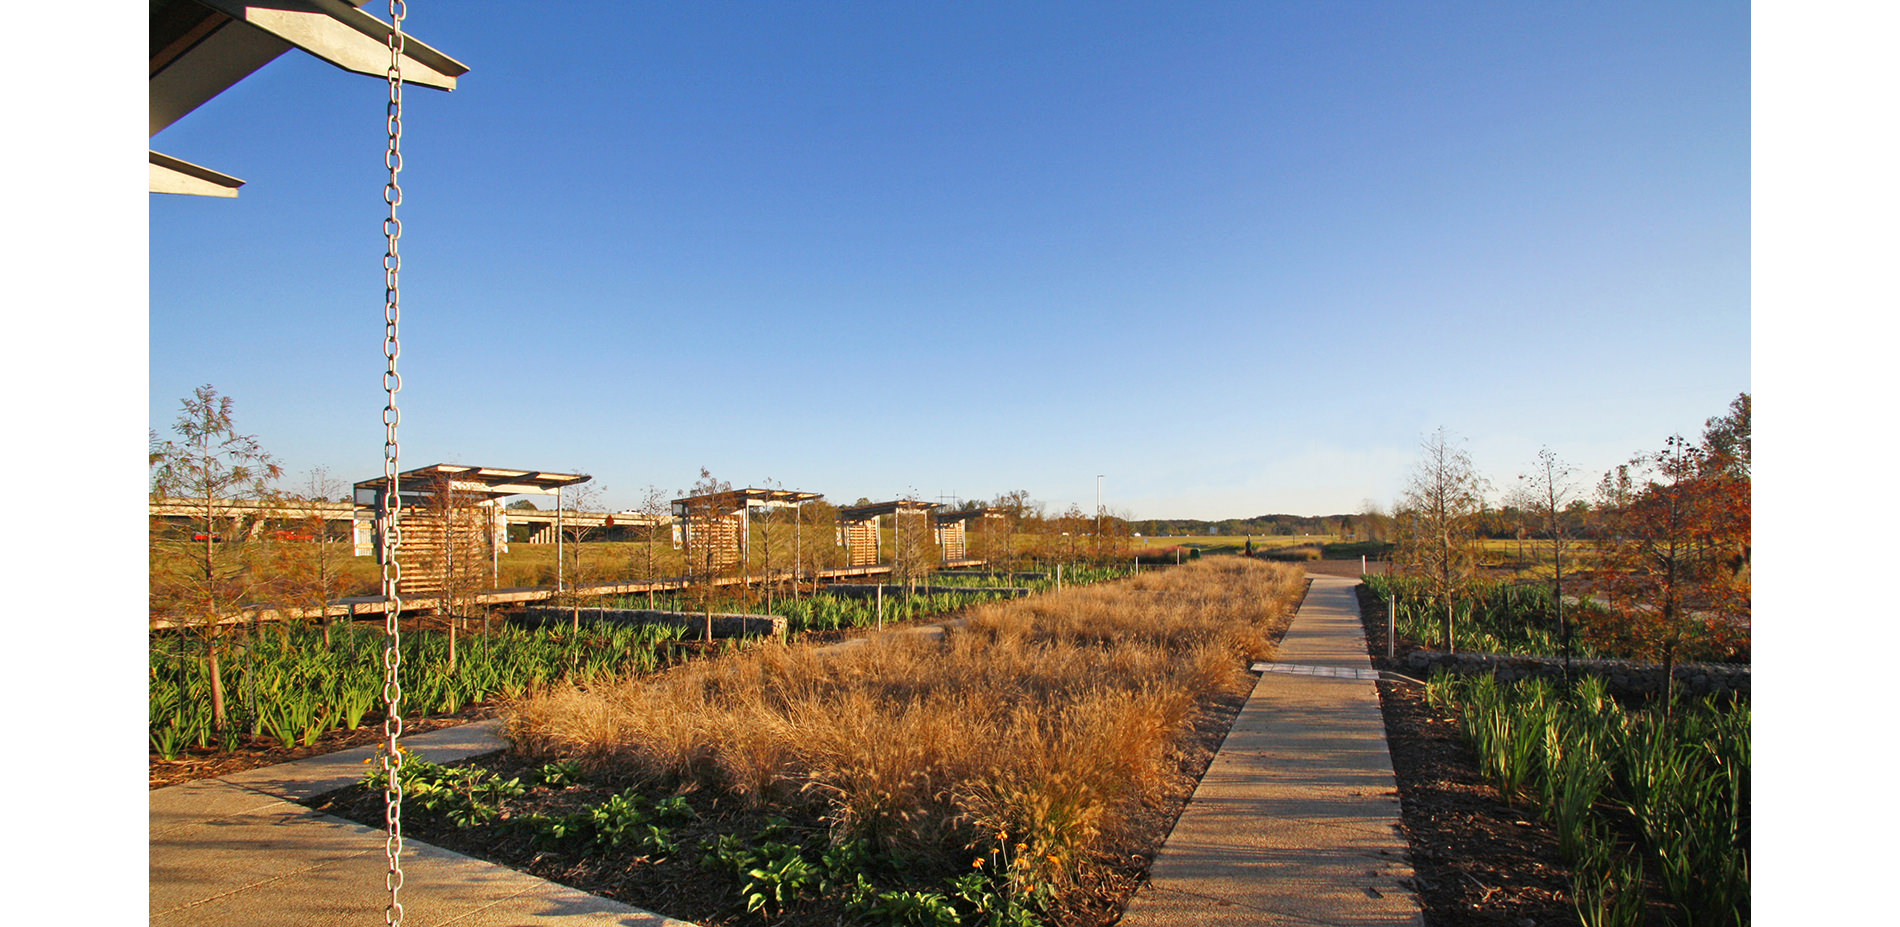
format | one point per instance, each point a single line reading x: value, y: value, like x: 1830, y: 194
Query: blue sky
x: 1238, y: 258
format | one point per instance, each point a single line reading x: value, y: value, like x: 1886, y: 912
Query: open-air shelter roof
x: 199, y: 48
x: 944, y: 518
x: 732, y: 500
x: 493, y: 482
x: 863, y: 512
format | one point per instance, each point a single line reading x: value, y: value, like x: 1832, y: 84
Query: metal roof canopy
x: 732, y: 500
x: 967, y: 514
x: 493, y: 482
x: 199, y: 48
x: 863, y: 512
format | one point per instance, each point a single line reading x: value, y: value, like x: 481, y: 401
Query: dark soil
x: 1476, y: 860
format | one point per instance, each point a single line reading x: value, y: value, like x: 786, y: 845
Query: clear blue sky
x: 1239, y: 257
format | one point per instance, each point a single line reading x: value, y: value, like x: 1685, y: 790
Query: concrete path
x: 239, y: 851
x: 1296, y: 821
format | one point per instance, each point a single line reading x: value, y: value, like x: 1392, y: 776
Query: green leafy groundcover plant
x: 288, y: 686
x: 768, y: 864
x: 1638, y: 797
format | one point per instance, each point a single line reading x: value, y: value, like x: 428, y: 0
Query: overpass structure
x: 347, y: 519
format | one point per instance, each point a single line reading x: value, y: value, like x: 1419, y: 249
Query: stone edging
x: 723, y: 625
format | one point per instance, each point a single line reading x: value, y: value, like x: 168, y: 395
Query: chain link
x: 392, y: 498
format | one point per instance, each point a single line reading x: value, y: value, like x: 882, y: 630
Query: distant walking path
x: 1296, y: 821
x: 239, y: 851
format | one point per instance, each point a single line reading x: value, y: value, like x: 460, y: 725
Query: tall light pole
x: 1098, y: 508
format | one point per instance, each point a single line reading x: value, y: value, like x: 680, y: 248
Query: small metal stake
x: 880, y: 606
x: 1451, y: 642
x: 1391, y: 625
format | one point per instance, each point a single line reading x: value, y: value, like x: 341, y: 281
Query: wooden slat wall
x: 950, y: 538
x: 424, y: 555
x: 860, y: 543
x: 719, y: 533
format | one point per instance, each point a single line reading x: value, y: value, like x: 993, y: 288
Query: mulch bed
x: 1476, y: 860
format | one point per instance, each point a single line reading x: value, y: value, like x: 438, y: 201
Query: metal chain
x: 392, y: 499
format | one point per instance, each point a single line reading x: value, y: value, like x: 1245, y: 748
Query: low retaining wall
x: 1625, y: 677
x: 870, y: 589
x: 723, y: 625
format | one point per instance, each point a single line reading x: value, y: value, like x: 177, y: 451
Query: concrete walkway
x: 1296, y: 821
x: 239, y: 851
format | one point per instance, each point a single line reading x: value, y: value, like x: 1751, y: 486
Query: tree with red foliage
x: 1676, y: 551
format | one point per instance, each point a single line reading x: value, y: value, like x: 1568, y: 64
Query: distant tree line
x: 1285, y: 525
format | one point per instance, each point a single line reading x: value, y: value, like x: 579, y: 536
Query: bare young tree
x: 309, y: 568
x: 451, y: 542
x: 771, y: 528
x: 1549, y: 490
x: 1003, y: 532
x: 653, y: 521
x: 914, y: 552
x: 210, y: 465
x: 1437, y: 537
x: 705, y: 523
x: 576, y: 567
x: 820, y: 548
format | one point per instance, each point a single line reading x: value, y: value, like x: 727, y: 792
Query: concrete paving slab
x: 1296, y: 820
x: 225, y: 855
x: 192, y: 803
x: 440, y: 887
x: 237, y: 851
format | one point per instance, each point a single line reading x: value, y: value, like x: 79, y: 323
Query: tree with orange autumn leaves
x: 1675, y: 548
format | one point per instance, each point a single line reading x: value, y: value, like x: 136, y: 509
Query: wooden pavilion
x: 716, y: 528
x: 859, y: 527
x: 952, y: 537
x: 451, y: 518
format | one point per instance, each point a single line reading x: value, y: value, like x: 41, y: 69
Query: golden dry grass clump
x: 1033, y: 732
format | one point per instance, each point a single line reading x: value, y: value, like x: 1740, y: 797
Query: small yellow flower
x: 977, y: 863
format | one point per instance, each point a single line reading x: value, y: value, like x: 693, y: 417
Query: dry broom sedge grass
x: 1036, y: 732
